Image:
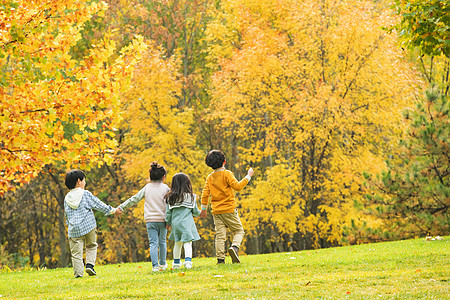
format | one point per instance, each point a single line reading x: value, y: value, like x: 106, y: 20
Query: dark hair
x: 181, y: 184
x: 215, y: 159
x: 156, y: 171
x: 72, y: 178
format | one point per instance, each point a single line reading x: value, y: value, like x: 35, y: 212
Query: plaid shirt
x: 81, y: 221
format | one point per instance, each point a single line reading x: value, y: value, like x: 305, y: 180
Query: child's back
x: 154, y: 214
x: 220, y: 185
x: 78, y: 211
x: 181, y: 210
x: 155, y: 206
x: 81, y: 224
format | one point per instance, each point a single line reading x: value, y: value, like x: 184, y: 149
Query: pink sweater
x: 154, y: 206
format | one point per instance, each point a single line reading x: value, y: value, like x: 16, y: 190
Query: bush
x: 10, y: 262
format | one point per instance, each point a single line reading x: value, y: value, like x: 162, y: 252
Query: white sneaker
x: 155, y: 269
x: 188, y: 264
x: 176, y: 266
x: 163, y: 267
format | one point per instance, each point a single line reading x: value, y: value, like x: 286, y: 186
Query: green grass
x: 408, y: 269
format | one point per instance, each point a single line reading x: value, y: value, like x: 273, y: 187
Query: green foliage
x: 416, y: 186
x: 412, y: 269
x: 6, y: 259
x: 425, y: 24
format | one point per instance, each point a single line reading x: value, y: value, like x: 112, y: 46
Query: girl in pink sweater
x: 154, y: 214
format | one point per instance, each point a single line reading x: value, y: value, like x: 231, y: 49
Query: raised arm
x: 234, y: 183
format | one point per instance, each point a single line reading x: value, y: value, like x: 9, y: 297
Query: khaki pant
x: 76, y: 249
x: 222, y: 222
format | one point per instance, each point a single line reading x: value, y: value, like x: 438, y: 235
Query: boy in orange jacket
x: 220, y: 185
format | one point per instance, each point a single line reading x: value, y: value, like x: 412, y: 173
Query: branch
x: 55, y: 178
x: 425, y: 70
x: 13, y: 152
x: 365, y: 58
x: 36, y: 110
x: 176, y: 145
x: 28, y: 22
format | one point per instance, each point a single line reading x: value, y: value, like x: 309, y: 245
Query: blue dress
x: 181, y: 217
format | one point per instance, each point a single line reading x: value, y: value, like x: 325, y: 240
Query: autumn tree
x: 57, y: 111
x: 176, y: 29
x: 55, y: 108
x: 175, y: 26
x: 310, y: 94
x: 155, y: 128
x: 178, y: 26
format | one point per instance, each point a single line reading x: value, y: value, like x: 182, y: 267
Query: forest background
x: 341, y: 108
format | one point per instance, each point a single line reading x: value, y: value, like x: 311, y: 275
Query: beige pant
x: 222, y: 222
x: 76, y: 249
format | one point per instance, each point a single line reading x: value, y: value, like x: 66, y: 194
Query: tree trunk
x: 63, y: 261
x: 63, y: 244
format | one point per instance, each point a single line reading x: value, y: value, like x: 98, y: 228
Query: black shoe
x: 220, y: 261
x: 233, y: 251
x: 78, y: 276
x: 90, y: 270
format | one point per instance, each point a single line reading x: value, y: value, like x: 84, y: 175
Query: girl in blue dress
x: 180, y: 212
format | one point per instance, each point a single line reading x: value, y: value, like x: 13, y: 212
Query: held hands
x: 118, y: 212
x: 250, y: 172
x: 203, y: 214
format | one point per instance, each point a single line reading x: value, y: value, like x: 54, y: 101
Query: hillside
x: 403, y: 269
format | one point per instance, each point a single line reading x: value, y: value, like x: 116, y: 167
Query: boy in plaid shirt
x: 82, y: 227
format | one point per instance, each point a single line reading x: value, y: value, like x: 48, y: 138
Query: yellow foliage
x: 51, y: 103
x: 317, y: 89
x: 155, y: 126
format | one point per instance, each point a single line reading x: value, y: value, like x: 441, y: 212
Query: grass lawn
x: 408, y: 269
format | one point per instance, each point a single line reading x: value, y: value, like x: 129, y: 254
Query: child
x: 220, y: 185
x: 181, y: 208
x: 154, y: 214
x: 82, y: 227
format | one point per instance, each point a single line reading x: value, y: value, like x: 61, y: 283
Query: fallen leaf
x: 181, y: 274
x: 348, y: 293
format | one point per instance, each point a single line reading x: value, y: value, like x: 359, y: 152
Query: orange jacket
x: 220, y: 185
